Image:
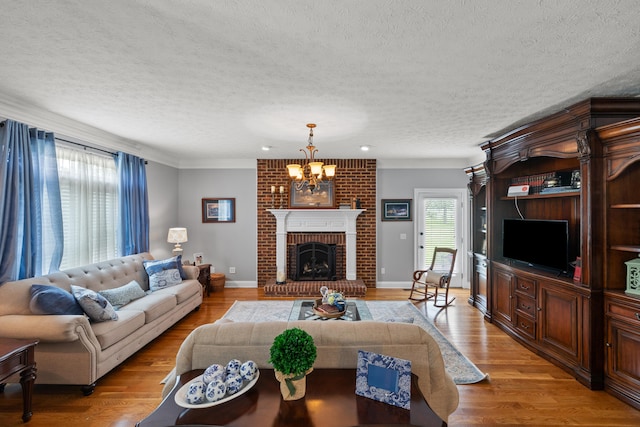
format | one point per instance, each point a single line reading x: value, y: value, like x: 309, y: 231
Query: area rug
x: 461, y: 369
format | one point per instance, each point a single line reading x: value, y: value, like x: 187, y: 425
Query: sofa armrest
x: 191, y: 271
x: 46, y: 328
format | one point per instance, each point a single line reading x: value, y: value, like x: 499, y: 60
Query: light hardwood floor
x: 523, y: 389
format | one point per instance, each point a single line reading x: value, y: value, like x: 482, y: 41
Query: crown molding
x: 76, y: 131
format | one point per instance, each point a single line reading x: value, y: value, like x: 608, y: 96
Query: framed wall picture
x: 322, y: 197
x: 396, y: 209
x: 219, y: 210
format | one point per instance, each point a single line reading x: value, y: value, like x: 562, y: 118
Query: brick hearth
x: 350, y: 288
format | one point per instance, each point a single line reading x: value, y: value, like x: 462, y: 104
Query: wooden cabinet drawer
x: 627, y: 312
x: 526, y: 286
x: 525, y: 325
x: 526, y: 305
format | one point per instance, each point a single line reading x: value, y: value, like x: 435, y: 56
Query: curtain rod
x: 81, y: 145
x: 85, y: 146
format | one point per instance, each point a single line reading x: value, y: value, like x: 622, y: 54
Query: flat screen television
x: 538, y: 243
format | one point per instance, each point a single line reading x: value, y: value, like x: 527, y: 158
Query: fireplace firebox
x: 315, y: 261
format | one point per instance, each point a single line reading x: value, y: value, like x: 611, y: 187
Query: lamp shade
x: 330, y: 171
x: 177, y: 235
x: 295, y: 171
x: 316, y: 168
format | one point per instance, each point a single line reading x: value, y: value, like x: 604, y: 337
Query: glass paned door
x: 439, y: 224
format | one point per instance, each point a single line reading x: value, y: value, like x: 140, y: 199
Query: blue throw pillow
x: 46, y: 299
x: 183, y: 275
x: 163, y: 273
x: 94, y: 305
x: 123, y: 294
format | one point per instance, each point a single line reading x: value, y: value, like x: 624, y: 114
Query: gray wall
x: 396, y: 256
x: 175, y: 200
x: 224, y: 245
x: 162, y: 183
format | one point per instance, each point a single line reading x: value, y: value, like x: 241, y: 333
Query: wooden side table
x: 204, y: 277
x: 17, y: 356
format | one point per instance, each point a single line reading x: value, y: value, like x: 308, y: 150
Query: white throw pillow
x: 123, y: 294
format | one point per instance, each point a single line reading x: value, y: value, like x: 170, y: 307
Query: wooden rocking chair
x: 437, y: 276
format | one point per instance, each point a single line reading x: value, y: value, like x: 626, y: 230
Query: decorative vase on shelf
x: 633, y: 276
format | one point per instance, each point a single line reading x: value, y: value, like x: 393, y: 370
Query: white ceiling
x: 200, y: 82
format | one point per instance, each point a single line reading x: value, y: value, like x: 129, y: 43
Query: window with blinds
x: 89, y: 196
x: 440, y: 227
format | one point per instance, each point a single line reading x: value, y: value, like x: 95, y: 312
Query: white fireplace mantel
x: 316, y: 221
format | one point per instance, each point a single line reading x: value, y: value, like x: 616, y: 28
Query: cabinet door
x: 503, y: 297
x: 623, y: 355
x: 559, y: 320
x: 480, y: 283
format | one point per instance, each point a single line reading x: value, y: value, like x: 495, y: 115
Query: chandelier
x: 311, y: 174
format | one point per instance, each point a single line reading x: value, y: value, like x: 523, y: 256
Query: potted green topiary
x: 292, y: 355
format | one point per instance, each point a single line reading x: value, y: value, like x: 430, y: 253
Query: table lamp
x: 177, y: 236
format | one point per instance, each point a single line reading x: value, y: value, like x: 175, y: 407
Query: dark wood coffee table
x: 330, y: 401
x: 17, y: 356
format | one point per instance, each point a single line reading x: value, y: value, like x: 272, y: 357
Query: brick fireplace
x: 315, y: 221
x: 355, y: 178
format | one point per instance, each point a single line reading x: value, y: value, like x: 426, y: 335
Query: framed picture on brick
x: 304, y: 198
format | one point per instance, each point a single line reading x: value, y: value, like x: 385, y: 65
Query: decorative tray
x: 327, y: 315
x: 181, y: 395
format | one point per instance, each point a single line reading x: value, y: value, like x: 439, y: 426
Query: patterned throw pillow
x: 94, y: 305
x: 46, y: 299
x: 163, y: 273
x: 123, y: 295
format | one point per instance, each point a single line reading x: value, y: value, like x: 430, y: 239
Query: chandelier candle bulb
x: 281, y: 189
x: 273, y: 189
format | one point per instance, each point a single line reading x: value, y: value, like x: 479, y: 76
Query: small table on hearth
x: 17, y: 356
x: 330, y: 401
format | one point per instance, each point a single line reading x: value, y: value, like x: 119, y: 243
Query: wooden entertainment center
x: 586, y: 324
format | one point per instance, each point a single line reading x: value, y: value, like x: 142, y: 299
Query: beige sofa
x: 73, y: 350
x: 338, y: 344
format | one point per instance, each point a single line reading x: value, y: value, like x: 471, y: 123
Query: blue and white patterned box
x: 384, y: 378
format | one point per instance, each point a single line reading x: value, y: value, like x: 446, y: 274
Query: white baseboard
x: 403, y: 285
x: 393, y: 285
x: 240, y: 284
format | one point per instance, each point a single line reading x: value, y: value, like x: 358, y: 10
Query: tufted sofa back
x: 15, y: 296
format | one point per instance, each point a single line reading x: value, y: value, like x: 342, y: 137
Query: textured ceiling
x: 204, y: 81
